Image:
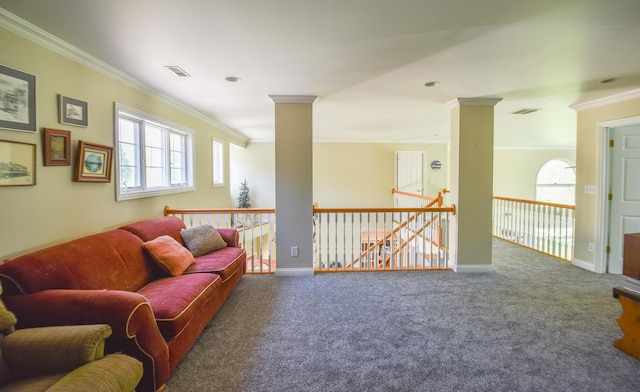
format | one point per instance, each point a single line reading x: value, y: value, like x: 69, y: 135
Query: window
x: 556, y: 182
x: 218, y: 163
x: 153, y: 157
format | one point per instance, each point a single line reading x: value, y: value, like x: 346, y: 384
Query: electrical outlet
x: 591, y: 247
x: 294, y: 251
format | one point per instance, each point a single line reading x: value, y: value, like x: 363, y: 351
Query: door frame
x: 603, y: 184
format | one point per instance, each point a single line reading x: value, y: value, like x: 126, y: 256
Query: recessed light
x: 177, y: 70
x: 232, y: 79
x: 432, y: 83
x: 610, y: 80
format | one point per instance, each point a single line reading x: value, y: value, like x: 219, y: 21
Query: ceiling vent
x: 525, y: 111
x: 177, y: 70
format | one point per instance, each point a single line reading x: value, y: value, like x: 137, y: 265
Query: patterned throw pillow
x: 203, y: 239
x: 170, y: 255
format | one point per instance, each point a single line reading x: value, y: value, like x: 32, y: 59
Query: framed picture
x: 56, y: 147
x: 17, y: 163
x: 73, y: 111
x: 93, y: 163
x: 17, y: 100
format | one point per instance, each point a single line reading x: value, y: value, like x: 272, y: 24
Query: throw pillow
x: 170, y: 255
x: 203, y: 239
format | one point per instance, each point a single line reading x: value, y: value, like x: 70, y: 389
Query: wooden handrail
x: 539, y: 203
x: 169, y: 211
x: 395, y: 191
x: 451, y: 209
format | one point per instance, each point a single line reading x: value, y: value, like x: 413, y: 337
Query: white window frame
x: 217, y: 159
x: 168, y: 129
x: 569, y: 165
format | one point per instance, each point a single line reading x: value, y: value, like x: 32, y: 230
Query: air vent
x: 525, y: 111
x: 177, y: 70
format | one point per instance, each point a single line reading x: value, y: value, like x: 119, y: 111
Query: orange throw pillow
x: 170, y: 255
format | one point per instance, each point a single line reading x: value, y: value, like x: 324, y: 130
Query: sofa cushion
x: 111, y: 260
x: 170, y: 255
x: 224, y: 262
x: 175, y: 300
x: 151, y: 228
x: 202, y: 239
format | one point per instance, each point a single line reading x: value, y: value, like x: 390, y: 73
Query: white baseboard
x: 583, y: 264
x: 294, y: 271
x: 473, y: 268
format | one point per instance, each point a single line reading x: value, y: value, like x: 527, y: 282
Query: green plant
x: 244, y: 197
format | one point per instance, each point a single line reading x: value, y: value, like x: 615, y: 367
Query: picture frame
x: 93, y: 163
x: 17, y: 163
x: 73, y: 111
x: 17, y: 100
x: 56, y: 147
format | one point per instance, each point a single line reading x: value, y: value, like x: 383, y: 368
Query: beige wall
x: 515, y: 170
x: 587, y: 172
x: 57, y: 208
x: 344, y: 174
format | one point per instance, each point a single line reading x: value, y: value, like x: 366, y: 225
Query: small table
x: 629, y: 321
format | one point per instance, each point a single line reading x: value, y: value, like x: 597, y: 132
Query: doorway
x: 619, y: 198
x: 409, y: 172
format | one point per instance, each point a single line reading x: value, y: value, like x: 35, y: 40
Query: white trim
x: 456, y: 102
x: 473, y: 268
x: 584, y: 265
x: 293, y: 98
x: 607, y: 100
x: 294, y: 272
x: 35, y: 34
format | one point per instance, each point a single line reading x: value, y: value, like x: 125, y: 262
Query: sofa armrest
x: 115, y: 372
x: 230, y: 236
x: 46, y: 350
x: 134, y: 328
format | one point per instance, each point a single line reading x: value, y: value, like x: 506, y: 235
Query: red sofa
x: 110, y: 278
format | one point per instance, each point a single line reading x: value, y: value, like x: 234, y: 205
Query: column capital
x: 293, y: 98
x: 472, y: 102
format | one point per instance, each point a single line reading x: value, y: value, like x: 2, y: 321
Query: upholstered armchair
x: 62, y: 358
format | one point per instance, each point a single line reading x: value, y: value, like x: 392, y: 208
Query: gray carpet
x: 535, y: 324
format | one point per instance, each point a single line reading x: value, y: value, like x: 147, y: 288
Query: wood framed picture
x: 17, y: 163
x: 56, y: 147
x: 17, y: 100
x: 93, y: 162
x: 73, y: 111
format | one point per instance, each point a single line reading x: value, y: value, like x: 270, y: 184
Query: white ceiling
x: 367, y: 60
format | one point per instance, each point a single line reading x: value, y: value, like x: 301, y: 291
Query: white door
x: 409, y: 173
x: 625, y: 191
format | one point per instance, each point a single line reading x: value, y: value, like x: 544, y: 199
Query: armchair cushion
x: 114, y: 372
x: 47, y: 350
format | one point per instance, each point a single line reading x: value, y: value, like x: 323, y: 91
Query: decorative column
x: 294, y: 183
x: 472, y: 183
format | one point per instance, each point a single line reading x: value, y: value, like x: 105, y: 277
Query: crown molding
x: 35, y: 34
x: 472, y: 102
x: 606, y: 100
x: 293, y: 98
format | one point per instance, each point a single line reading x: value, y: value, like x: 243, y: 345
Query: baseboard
x: 583, y: 264
x: 294, y: 271
x: 473, y: 268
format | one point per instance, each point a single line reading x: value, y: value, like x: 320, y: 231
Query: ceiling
x: 366, y: 60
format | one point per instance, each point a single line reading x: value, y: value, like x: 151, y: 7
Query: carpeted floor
x: 535, y: 324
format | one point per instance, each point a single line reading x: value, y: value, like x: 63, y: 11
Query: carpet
x: 534, y: 324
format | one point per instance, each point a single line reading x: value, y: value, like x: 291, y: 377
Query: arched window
x: 556, y: 182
